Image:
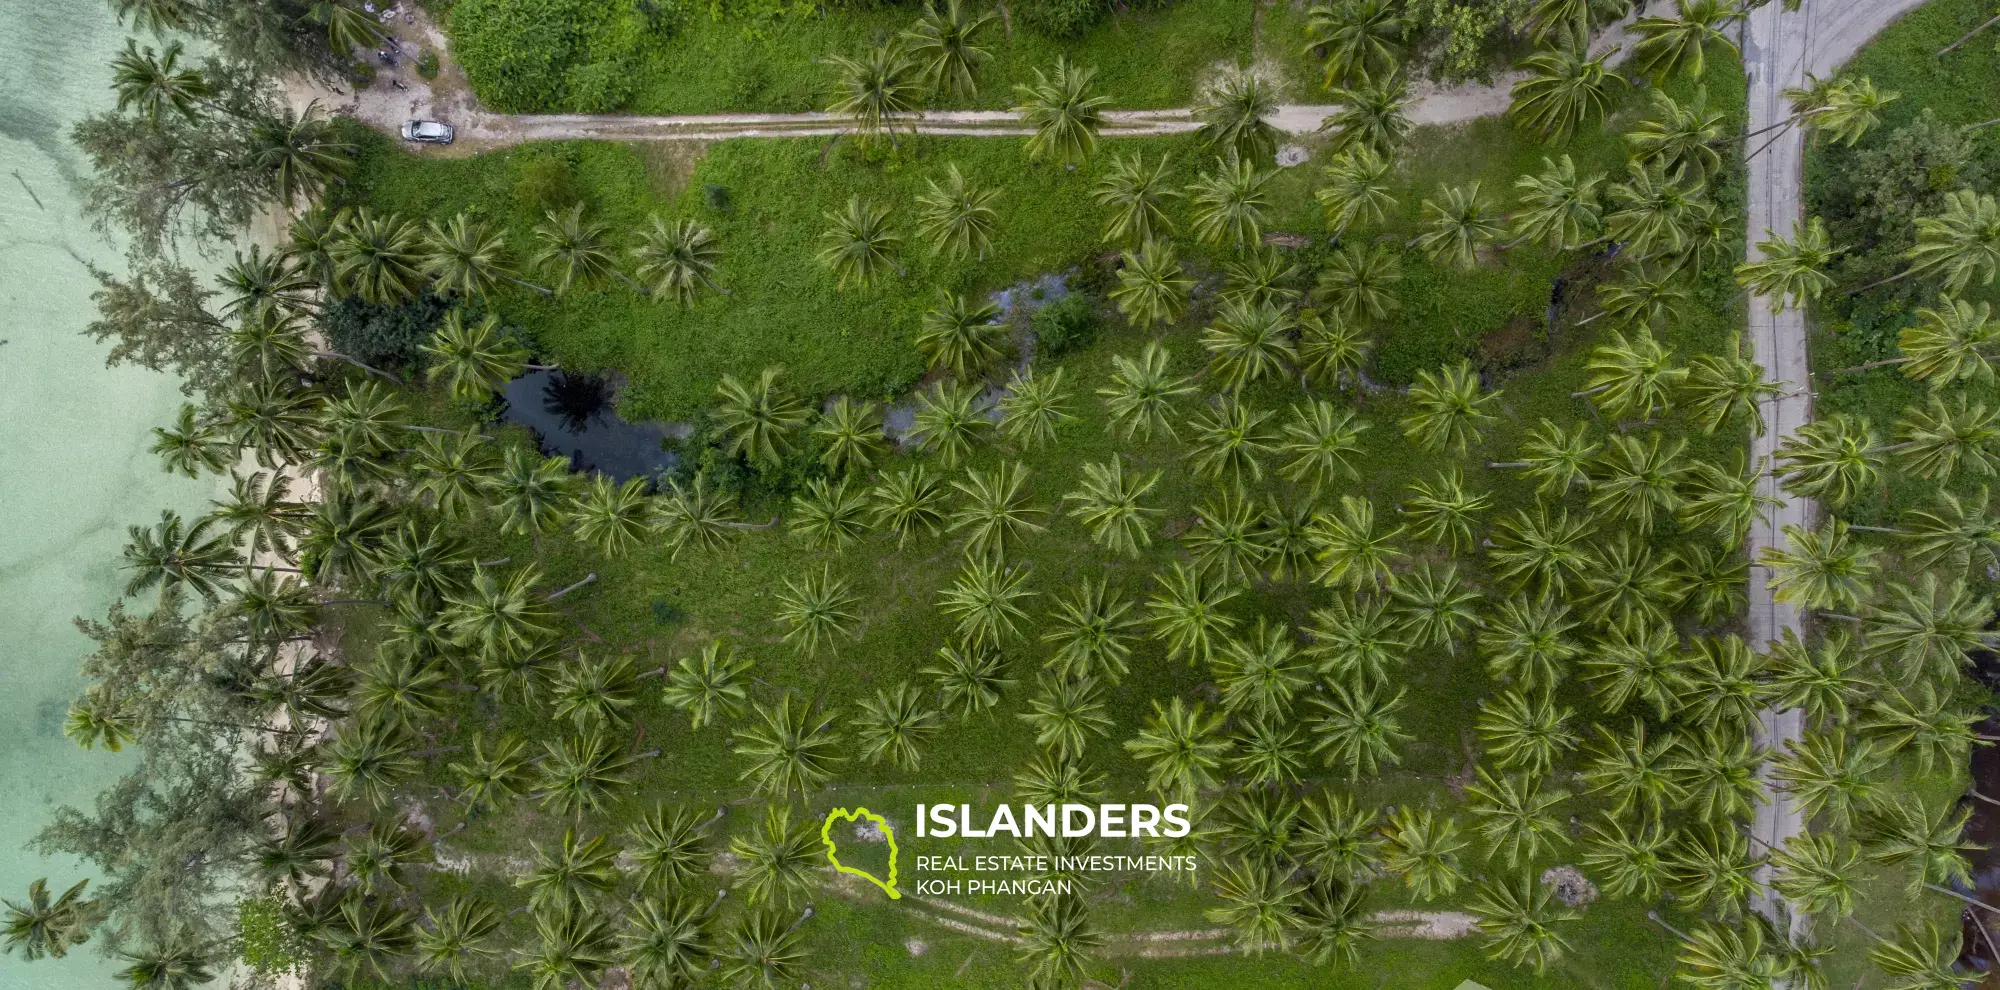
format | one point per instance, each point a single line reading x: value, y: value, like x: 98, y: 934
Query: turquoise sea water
x: 74, y: 465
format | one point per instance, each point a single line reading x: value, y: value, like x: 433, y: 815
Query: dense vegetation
x: 1389, y: 509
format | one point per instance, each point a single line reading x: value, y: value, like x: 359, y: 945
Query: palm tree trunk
x: 636, y: 287
x: 373, y: 371
x: 740, y: 525
x: 587, y: 579
x: 543, y: 289
x: 1905, y: 273
x: 1509, y: 464
x: 1984, y: 123
x: 1948, y: 49
x: 706, y: 281
x: 1857, y: 369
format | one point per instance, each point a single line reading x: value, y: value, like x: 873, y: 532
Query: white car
x: 428, y: 131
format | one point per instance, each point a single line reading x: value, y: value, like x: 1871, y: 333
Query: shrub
x: 546, y: 182
x: 1068, y: 324
x: 602, y: 87
x: 516, y: 53
x: 383, y: 335
x: 1062, y: 18
x: 427, y: 64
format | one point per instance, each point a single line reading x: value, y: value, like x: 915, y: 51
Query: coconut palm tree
x: 584, y: 773
x: 1936, y: 440
x: 1433, y: 606
x: 852, y: 435
x: 1152, y: 286
x: 1109, y: 504
x: 1357, y: 189
x: 1257, y: 902
x: 1371, y: 115
x: 1057, y: 941
x: 969, y: 679
x: 1725, y: 501
x: 453, y: 472
x: 1230, y: 440
x: 1728, y: 684
x: 860, y: 246
x: 1713, y: 867
x: 763, y: 952
x: 1053, y: 779
x: 368, y: 760
x: 1680, y: 137
x: 759, y: 420
x: 531, y: 493
x: 1959, y: 244
x: 1520, y: 922
x: 1457, y: 225
x: 1558, y: 459
x: 1359, y: 283
x: 576, y: 251
x: 1181, y: 748
x: 1559, y: 207
x: 1358, y: 39
x: 1033, y: 407
x: 1358, y: 640
x: 267, y: 292
x: 1359, y: 727
x: 155, y: 84
x: 1721, y: 389
x: 173, y: 555
x: 1336, y: 839
x: 709, y: 687
x: 1443, y: 512
x: 1719, y: 770
x: 1821, y: 569
x: 1724, y: 956
x: 176, y: 961
x: 1817, y: 873
x: 1353, y: 552
x: 463, y: 256
x: 986, y: 601
x: 1913, y: 960
x: 1947, y: 344
x: 1638, y: 660
x: 1565, y: 90
x: 1229, y: 535
x: 1447, y: 409
x: 816, y: 611
x: 666, y: 846
x: 1629, y: 864
x: 1529, y: 642
x: 677, y: 259
x: 488, y: 781
x: 378, y: 258
x: 829, y: 514
x: 1633, y: 377
x: 1654, y: 212
x: 157, y: 16
x: 299, y: 152
x: 1424, y: 849
x: 1093, y: 630
x: 1525, y: 733
x: 1065, y: 713
x: 1137, y: 196
x: 1676, y: 46
x: 961, y: 336
x: 792, y: 749
x: 1793, y: 270
x: 997, y: 513
x: 1560, y: 23
x: 575, y: 872
x: 1517, y: 817
x: 473, y: 361
x: 943, y: 46
x: 667, y: 943
x: 778, y: 860
x: 192, y: 445
x: 1231, y: 204
x: 1141, y: 392
x: 595, y: 695
x: 1322, y: 440
x: 1249, y: 342
x: 1064, y: 111
x: 1931, y: 842
x: 1270, y: 752
x: 1827, y: 774
x: 877, y: 92
x: 1187, y: 611
x: 1934, y: 723
x: 1233, y: 114
x: 957, y: 217
x: 1257, y: 674
x: 1640, y: 480
x: 910, y: 503
x: 1540, y: 553
x: 1645, y: 299
x: 1637, y: 772
x: 896, y: 725
x: 45, y: 927
x: 573, y: 944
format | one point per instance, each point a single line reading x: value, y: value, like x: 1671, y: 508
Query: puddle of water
x: 576, y: 414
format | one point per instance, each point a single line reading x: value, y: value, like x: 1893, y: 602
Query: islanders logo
x: 833, y: 849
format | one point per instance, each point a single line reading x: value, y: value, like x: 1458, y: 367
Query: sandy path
x: 1779, y: 50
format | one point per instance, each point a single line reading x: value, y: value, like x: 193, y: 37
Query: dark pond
x: 576, y: 414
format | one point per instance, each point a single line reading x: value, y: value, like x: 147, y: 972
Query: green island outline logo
x: 833, y: 852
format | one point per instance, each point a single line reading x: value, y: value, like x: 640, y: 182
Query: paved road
x: 1778, y: 52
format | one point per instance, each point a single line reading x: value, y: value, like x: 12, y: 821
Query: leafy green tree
x: 860, y: 246
x: 895, y: 725
x: 779, y: 860
x: 997, y: 513
x: 1057, y: 941
x: 1231, y: 204
x: 829, y: 514
x: 576, y: 250
x: 474, y: 361
x: 1559, y: 207
x: 1230, y: 441
x: 879, y: 91
x: 970, y: 680
x: 910, y: 503
x: 1525, y: 732
x: 1034, y: 407
x: 1064, y: 111
x: 708, y: 687
x: 1359, y: 727
x: 792, y: 749
x: 677, y: 259
x: 1360, y: 39
x: 1371, y: 115
x: 1065, y: 713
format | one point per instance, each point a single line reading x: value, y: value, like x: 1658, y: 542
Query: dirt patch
x: 1571, y: 886
x: 670, y: 165
x: 1518, y: 344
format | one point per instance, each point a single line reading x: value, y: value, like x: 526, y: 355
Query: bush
x: 383, y: 335
x: 546, y: 182
x: 427, y: 64
x: 1062, y: 18
x: 517, y: 53
x: 1068, y: 324
x: 602, y: 87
